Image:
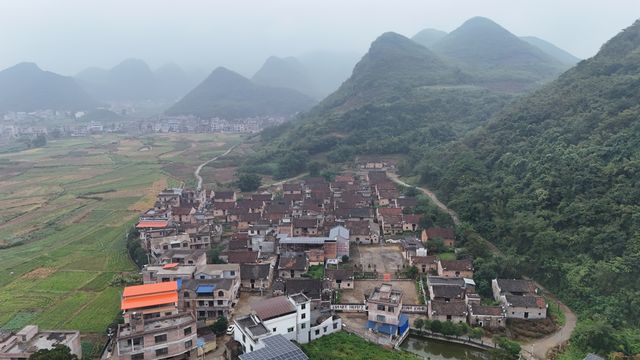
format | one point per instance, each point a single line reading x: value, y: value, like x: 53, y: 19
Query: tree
x: 436, y: 326
x: 448, y: 328
x: 214, y: 255
x: 220, y: 326
x: 511, y: 347
x: 39, y: 141
x: 59, y: 352
x: 345, y: 258
x: 249, y: 182
x: 476, y: 333
x: 418, y: 324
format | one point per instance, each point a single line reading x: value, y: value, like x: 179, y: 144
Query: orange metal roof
x: 170, y: 266
x: 150, y: 289
x: 152, y: 224
x: 149, y: 295
x: 148, y: 300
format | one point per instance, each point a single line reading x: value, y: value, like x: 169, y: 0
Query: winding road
x: 197, y: 172
x: 536, y: 349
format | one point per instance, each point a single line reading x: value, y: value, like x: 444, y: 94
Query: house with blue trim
x: 384, y: 307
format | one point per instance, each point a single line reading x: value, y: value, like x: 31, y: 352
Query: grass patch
x: 19, y: 320
x: 447, y: 256
x: 316, y: 272
x: 345, y: 346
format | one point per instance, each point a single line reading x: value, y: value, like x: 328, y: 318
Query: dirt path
x: 197, y: 172
x: 431, y: 195
x: 536, y: 349
x: 278, y: 183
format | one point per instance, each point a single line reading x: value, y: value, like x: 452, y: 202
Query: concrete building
x: 384, y: 306
x: 30, y: 339
x: 454, y: 311
x: 154, y: 328
x: 291, y: 317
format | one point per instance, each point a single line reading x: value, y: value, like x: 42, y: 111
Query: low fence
x: 414, y: 309
x: 355, y: 307
x: 479, y: 344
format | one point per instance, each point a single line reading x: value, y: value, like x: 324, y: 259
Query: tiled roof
x: 457, y: 265
x: 242, y: 256
x: 273, y: 307
x: 446, y: 291
x: 254, y: 271
x: 528, y: 301
x: 477, y: 309
x: 453, y: 308
x: 441, y: 233
x: 516, y: 286
x: 293, y: 261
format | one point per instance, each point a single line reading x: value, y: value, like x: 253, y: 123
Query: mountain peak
x: 428, y: 37
x: 25, y: 67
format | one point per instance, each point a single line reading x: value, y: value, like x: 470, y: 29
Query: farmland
x: 64, y: 211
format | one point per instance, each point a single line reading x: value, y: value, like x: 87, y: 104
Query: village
x: 296, y: 261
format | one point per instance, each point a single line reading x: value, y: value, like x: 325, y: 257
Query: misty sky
x: 67, y: 36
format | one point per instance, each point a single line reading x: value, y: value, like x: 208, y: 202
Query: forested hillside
x: 555, y: 180
x: 400, y: 95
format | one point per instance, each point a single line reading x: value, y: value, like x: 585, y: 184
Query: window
x: 188, y: 344
x: 186, y: 294
x: 187, y: 331
x: 303, y: 316
x: 317, y: 331
x: 138, y: 341
x: 335, y: 326
x: 220, y: 293
x: 244, y: 338
x: 290, y: 329
x: 220, y: 302
x: 303, y: 326
x: 251, y: 347
x: 391, y: 309
x: 324, y: 329
x: 304, y: 306
x: 137, y: 356
x: 165, y: 279
x: 167, y: 314
x: 202, y: 277
x: 381, y: 307
x: 187, y: 304
x: 161, y: 338
x: 380, y: 318
x: 274, y: 329
x: 233, y: 273
x: 202, y: 314
x: 163, y: 351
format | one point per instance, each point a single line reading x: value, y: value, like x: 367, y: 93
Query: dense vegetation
x: 497, y: 57
x: 554, y: 179
x: 345, y: 346
x: 229, y: 95
x: 401, y: 95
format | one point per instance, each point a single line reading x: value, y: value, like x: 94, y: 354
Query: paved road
x: 538, y: 348
x: 197, y: 172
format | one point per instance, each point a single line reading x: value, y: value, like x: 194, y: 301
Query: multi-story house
x: 384, y: 307
x: 30, y: 339
x: 289, y: 316
x: 209, y: 299
x: 153, y: 326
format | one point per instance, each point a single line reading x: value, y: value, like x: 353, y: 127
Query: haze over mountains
x: 480, y: 52
x: 229, y: 95
x: 26, y: 87
x: 133, y: 80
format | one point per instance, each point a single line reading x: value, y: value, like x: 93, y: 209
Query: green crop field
x: 64, y: 212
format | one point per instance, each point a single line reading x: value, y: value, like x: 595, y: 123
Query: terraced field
x: 64, y: 211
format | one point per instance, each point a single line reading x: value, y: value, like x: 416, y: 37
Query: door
x: 526, y: 315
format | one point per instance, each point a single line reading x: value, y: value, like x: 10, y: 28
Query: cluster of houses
x: 270, y: 243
